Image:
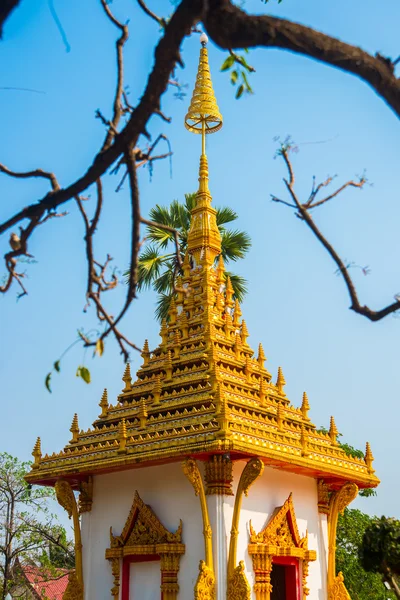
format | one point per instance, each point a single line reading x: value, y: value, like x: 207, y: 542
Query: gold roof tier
x: 202, y: 391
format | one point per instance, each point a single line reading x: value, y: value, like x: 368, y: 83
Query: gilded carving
x: 238, y: 586
x: 192, y: 472
x: 74, y: 589
x: 323, y: 497
x: 280, y: 537
x: 218, y: 475
x: 86, y: 495
x: 144, y: 534
x: 205, y: 584
x: 66, y: 499
x: 337, y: 590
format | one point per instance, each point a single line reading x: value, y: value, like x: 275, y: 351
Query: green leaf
x: 228, y: 62
x: 99, y: 347
x: 225, y: 215
x: 56, y: 366
x: 83, y: 373
x: 47, y: 382
x: 234, y: 77
x: 234, y: 244
x: 239, y: 91
x: 249, y: 89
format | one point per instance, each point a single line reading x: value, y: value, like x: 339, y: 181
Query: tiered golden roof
x: 202, y: 391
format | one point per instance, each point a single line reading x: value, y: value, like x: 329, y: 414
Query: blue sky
x: 296, y: 305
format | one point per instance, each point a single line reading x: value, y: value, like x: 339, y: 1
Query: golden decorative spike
x: 37, y: 454
x: 229, y: 291
x: 168, y: 367
x: 127, y: 379
x: 222, y: 413
x: 228, y: 323
x: 104, y: 404
x: 261, y: 356
x: 245, y: 332
x: 203, y: 115
x: 172, y: 313
x: 122, y: 437
x: 237, y: 314
x: 237, y: 346
x: 221, y: 270
x: 333, y: 431
x: 74, y: 429
x: 280, y: 381
x: 157, y: 390
x: 248, y: 369
x: 143, y: 414
x: 164, y: 334
x: 204, y: 239
x: 369, y: 459
x: 145, y: 353
x: 262, y: 391
x: 186, y: 266
x: 304, y: 441
x: 177, y: 344
x: 279, y: 418
x: 184, y: 325
x: 305, y: 407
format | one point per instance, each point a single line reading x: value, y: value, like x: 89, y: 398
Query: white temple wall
x: 167, y: 491
x: 267, y: 493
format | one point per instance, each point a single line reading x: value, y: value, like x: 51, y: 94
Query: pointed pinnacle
x: 333, y: 431
x: 37, y: 454
x: 280, y: 381
x: 261, y: 356
x: 369, y: 458
x: 122, y: 429
x: 75, y: 426
x: 279, y: 417
x: 305, y: 406
x: 245, y: 332
x: 104, y: 403
x: 127, y: 379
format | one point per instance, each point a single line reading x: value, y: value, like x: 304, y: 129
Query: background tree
x: 360, y: 583
x: 380, y: 550
x: 158, y: 262
x: 125, y: 147
x: 28, y: 530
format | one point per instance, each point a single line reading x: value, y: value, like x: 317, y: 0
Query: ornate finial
x: 145, y: 353
x: 237, y: 345
x: 122, y: 436
x: 245, y: 332
x: 184, y: 325
x: 164, y: 333
x: 261, y: 358
x: 221, y: 270
x: 262, y: 390
x: 157, y: 390
x: 127, y: 379
x: 229, y: 291
x: 37, y: 454
x: 104, y: 404
x: 204, y: 239
x: 280, y: 381
x: 279, y: 418
x: 369, y: 458
x: 168, y: 367
x: 186, y: 266
x: 203, y: 115
x: 143, y: 413
x: 304, y: 441
x: 305, y: 407
x: 177, y: 343
x: 248, y: 369
x: 74, y: 429
x: 333, y: 431
x: 237, y: 313
x: 172, y: 313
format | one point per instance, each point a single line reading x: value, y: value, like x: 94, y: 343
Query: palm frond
x: 239, y: 285
x: 164, y: 284
x: 162, y: 306
x: 190, y: 202
x: 225, y: 214
x: 234, y: 244
x: 150, y: 264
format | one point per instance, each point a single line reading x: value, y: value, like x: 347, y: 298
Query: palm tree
x: 158, y: 262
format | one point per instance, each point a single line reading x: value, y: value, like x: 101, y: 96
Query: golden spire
x: 145, y: 353
x: 157, y: 390
x: 261, y: 356
x: 127, y: 379
x: 74, y: 429
x: 280, y: 381
x: 37, y: 454
x: 203, y: 116
x: 142, y: 413
x: 104, y: 404
x: 122, y: 436
x: 305, y: 407
x: 369, y: 458
x: 333, y: 431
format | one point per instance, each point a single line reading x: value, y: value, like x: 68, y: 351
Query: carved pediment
x: 281, y: 531
x: 143, y: 527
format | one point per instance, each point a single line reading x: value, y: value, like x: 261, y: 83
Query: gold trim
x: 218, y: 475
x: 206, y: 578
x: 338, y: 502
x: 144, y: 534
x: 66, y: 499
x: 86, y: 495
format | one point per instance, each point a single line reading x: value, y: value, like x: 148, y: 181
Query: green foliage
x: 158, y: 262
x: 380, y: 551
x: 29, y: 533
x: 239, y: 70
x: 361, y: 585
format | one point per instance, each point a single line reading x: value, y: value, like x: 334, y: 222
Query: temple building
x: 202, y: 481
